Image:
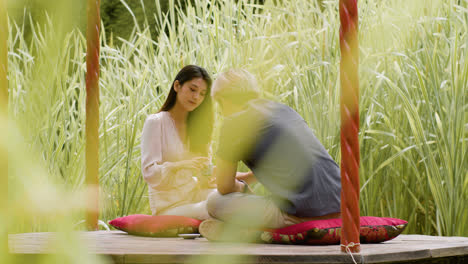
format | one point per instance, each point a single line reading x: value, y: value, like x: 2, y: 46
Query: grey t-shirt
x: 275, y: 142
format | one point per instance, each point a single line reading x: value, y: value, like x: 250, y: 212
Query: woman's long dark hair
x: 200, y: 120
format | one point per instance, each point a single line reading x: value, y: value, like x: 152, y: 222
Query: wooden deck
x: 123, y: 248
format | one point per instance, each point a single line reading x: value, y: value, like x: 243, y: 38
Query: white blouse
x: 168, y: 186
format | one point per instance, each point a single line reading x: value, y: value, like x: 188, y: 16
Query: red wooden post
x: 92, y: 113
x: 4, y: 113
x: 349, y: 68
x: 3, y: 58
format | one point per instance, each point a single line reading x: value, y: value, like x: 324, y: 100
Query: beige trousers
x: 193, y: 210
x: 249, y: 210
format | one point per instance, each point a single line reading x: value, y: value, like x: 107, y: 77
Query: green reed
x: 413, y: 79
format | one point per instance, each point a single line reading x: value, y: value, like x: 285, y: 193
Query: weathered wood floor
x: 123, y: 248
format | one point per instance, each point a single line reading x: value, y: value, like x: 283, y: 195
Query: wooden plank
x: 123, y: 248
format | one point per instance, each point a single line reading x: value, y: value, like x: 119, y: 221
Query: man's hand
x: 248, y: 177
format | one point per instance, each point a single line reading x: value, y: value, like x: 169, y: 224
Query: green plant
x: 413, y: 79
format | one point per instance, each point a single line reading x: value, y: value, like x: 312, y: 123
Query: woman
x: 175, y: 147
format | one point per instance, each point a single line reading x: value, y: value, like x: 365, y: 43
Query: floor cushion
x: 156, y: 225
x: 328, y: 232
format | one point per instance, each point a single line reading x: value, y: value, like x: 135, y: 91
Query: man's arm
x: 225, y: 174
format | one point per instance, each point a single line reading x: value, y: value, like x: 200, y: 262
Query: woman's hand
x: 207, y: 182
x: 198, y: 164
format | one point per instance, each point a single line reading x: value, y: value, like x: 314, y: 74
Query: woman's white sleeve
x: 153, y: 169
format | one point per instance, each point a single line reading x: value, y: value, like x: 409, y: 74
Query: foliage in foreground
x: 33, y: 200
x: 413, y: 79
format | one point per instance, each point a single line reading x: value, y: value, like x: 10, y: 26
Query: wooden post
x: 4, y: 117
x: 92, y: 113
x: 3, y: 58
x: 349, y: 107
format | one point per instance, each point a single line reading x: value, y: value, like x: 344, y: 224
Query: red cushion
x: 157, y: 225
x: 328, y: 232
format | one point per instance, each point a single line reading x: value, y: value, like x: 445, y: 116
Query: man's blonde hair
x: 237, y: 85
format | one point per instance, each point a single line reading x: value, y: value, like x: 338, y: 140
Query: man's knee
x: 212, y: 203
x: 223, y: 206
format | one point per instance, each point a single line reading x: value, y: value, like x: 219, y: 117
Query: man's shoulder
x: 270, y: 107
x: 259, y: 113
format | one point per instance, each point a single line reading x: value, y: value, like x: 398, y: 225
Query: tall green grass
x: 34, y: 199
x: 413, y: 88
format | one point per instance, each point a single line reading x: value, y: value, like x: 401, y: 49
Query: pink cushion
x: 157, y: 226
x: 328, y: 232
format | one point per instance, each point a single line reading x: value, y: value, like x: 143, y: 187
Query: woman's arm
x: 151, y: 151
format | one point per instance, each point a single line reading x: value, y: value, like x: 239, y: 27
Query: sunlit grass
x: 413, y: 81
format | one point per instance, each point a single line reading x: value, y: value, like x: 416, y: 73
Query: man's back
x: 277, y: 145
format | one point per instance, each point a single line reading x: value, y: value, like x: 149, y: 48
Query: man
x: 283, y: 154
